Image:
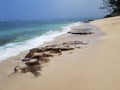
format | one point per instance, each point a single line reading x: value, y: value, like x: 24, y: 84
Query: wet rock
x: 38, y: 56
x: 81, y: 33
x: 32, y: 63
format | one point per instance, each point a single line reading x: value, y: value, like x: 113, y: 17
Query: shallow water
x: 18, y: 36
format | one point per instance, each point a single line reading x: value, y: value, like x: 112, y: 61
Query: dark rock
x: 37, y: 56
x: 32, y: 63
x: 87, y: 21
x: 81, y: 33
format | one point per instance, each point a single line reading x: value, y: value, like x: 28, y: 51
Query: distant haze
x: 50, y: 9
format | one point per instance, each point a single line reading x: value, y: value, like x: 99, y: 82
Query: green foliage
x: 113, y: 6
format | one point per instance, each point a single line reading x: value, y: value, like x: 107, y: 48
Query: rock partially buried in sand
x: 34, y: 69
x: 73, y: 43
x: 38, y: 53
x: 38, y: 56
x: 81, y: 33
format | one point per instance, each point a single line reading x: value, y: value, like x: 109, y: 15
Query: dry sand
x: 95, y: 67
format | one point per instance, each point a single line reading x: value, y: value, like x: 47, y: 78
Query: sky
x: 50, y: 9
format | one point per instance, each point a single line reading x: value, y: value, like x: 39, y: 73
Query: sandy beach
x: 94, y: 66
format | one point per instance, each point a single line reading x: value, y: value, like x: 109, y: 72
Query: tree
x: 113, y: 6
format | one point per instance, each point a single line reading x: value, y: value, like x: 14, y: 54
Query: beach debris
x: 36, y: 57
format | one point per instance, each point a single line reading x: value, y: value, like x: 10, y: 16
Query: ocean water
x: 18, y: 36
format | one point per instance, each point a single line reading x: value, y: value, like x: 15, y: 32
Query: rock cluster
x: 38, y: 56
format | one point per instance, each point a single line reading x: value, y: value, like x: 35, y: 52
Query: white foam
x: 13, y: 49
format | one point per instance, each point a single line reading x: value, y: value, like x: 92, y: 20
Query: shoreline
x: 94, y: 66
x: 23, y: 53
x: 16, y: 60
x: 13, y: 49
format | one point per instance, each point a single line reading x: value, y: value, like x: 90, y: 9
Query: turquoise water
x: 17, y: 36
x: 19, y: 31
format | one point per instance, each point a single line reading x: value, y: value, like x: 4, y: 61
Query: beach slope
x: 96, y: 67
